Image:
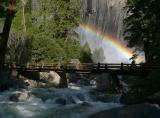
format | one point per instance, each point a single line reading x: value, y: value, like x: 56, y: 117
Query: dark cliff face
x: 107, y: 15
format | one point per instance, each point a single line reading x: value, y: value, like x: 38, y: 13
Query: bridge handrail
x: 83, y: 66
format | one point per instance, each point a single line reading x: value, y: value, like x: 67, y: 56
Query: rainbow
x: 116, y: 44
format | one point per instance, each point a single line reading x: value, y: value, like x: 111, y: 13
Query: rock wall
x: 106, y: 15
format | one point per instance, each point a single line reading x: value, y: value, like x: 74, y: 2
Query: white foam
x: 78, y: 104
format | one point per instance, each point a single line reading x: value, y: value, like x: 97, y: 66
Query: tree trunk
x: 23, y: 14
x: 6, y: 29
x: 148, y: 55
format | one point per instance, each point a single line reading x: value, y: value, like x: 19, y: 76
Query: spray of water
x: 107, y: 17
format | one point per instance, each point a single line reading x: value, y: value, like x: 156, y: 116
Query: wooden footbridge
x: 87, y: 68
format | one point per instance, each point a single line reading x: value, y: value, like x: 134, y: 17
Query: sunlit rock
x: 52, y: 79
x: 33, y: 84
x: 19, y: 97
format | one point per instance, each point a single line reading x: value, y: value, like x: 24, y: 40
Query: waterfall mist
x: 106, y: 16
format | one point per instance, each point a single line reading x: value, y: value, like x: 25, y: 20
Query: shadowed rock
x: 133, y: 111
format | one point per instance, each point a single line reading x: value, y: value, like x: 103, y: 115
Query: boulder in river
x: 19, y: 97
x: 34, y: 84
x: 43, y: 94
x: 133, y: 111
x: 61, y: 101
x: 52, y: 79
x: 155, y: 98
x: 103, y: 82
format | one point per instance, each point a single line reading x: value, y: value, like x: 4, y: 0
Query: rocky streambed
x: 26, y: 98
x: 71, y: 102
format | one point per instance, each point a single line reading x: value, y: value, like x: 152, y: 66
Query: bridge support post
x: 121, y: 67
x: 63, y: 82
x: 116, y: 84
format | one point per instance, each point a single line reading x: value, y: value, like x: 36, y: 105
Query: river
x: 71, y: 102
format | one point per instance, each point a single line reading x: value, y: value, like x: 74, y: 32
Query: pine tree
x: 142, y: 27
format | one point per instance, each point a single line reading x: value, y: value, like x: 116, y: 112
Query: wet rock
x: 6, y: 80
x: 84, y: 81
x: 104, y: 96
x: 30, y: 83
x: 72, y: 100
x: 86, y: 104
x: 43, y: 94
x: 34, y: 84
x: 130, y: 80
x: 103, y: 82
x: 63, y: 83
x: 155, y: 98
x: 133, y: 111
x: 140, y: 88
x: 19, y: 97
x: 52, y: 79
x: 80, y: 96
x: 61, y: 101
x: 74, y: 77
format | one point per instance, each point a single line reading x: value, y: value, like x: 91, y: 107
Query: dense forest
x: 44, y: 32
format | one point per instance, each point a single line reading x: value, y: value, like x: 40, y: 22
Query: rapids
x: 71, y: 102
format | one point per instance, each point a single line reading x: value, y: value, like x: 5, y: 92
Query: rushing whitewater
x: 106, y: 16
x: 72, y: 102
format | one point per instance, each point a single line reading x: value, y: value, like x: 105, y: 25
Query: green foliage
x: 86, y: 55
x: 142, y: 26
x: 142, y: 31
x: 56, y: 17
x: 48, y: 25
x: 3, y: 7
x: 17, y: 24
x: 19, y: 48
x: 47, y: 50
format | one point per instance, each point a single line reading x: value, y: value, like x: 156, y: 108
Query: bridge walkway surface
x: 87, y: 68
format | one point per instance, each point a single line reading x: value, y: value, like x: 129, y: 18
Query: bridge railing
x: 123, y: 66
x: 83, y: 66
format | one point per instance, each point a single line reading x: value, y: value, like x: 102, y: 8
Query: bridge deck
x: 86, y: 68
